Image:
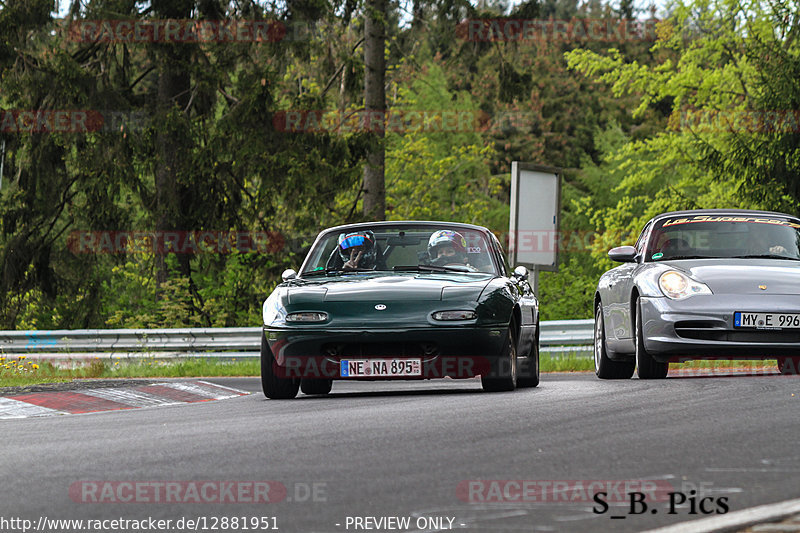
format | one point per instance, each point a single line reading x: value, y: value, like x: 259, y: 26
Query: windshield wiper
x: 327, y: 271
x: 766, y: 256
x: 432, y: 268
x: 685, y: 257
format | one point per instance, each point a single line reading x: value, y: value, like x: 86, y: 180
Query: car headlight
x: 454, y: 315
x: 307, y: 317
x: 272, y: 309
x: 677, y: 286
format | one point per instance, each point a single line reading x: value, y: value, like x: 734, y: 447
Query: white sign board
x: 533, y: 226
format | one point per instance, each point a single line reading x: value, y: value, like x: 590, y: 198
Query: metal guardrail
x: 559, y: 333
x: 556, y: 336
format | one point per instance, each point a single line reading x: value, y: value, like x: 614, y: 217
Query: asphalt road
x: 420, y: 450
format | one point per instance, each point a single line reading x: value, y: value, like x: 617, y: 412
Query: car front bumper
x: 702, y: 327
x: 456, y: 352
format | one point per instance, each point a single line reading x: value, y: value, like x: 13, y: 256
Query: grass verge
x: 45, y: 372
x: 565, y: 362
x: 20, y: 372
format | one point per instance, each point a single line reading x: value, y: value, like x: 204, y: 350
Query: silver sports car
x: 697, y: 285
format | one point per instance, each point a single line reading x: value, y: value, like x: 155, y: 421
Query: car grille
x: 714, y: 331
x: 382, y: 349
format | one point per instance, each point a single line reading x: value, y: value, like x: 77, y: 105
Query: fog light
x: 454, y: 315
x: 307, y: 317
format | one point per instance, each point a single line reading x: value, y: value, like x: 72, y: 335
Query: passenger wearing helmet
x: 357, y: 250
x: 447, y: 247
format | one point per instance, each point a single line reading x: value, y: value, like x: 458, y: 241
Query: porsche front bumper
x: 703, y: 327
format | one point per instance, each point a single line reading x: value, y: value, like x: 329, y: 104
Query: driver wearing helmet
x: 447, y: 247
x: 357, y: 250
x: 760, y: 241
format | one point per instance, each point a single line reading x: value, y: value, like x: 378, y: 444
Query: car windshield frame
x: 720, y: 236
x: 389, y: 239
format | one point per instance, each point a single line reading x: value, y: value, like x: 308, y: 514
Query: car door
x: 618, y: 286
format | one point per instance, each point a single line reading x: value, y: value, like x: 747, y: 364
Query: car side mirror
x: 288, y: 274
x: 521, y: 273
x: 623, y: 254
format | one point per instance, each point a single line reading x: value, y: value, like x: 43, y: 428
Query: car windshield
x: 727, y: 236
x: 415, y: 248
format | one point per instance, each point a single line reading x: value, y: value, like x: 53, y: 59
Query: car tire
x: 274, y: 386
x: 316, y: 386
x: 789, y: 366
x: 503, y: 376
x: 646, y: 366
x: 529, y: 373
x: 604, y: 366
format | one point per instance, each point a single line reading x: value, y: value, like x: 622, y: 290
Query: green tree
x: 438, y: 163
x: 730, y: 78
x: 207, y: 154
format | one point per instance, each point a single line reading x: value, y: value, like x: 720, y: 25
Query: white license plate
x: 380, y: 368
x: 766, y: 320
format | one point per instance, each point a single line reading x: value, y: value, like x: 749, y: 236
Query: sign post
x: 534, y: 220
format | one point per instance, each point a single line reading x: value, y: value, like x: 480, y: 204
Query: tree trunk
x: 375, y: 107
x: 174, y: 87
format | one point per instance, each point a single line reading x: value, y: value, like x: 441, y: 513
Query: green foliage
x: 571, y: 361
x: 569, y: 293
x: 23, y: 373
x: 639, y: 129
x: 187, y: 367
x: 440, y: 169
x: 724, y: 65
x: 565, y: 362
x: 713, y: 66
x: 198, y: 151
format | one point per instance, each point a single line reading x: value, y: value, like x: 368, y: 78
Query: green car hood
x: 389, y: 287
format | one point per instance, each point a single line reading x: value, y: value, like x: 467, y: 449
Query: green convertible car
x: 400, y: 300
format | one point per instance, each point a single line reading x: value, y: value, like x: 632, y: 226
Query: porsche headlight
x: 677, y: 286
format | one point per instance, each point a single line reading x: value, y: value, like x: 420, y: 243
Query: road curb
x: 736, y: 520
x: 92, y: 400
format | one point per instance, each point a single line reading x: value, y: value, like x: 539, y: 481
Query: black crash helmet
x: 359, y: 241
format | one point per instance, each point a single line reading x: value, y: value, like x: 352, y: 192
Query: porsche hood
x: 744, y: 276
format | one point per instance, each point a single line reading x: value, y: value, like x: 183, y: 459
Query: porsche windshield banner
x: 728, y: 218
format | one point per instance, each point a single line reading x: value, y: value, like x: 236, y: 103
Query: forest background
x: 105, y: 139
